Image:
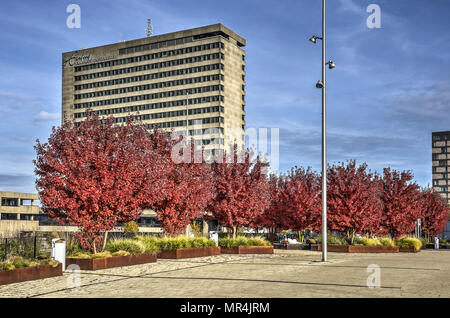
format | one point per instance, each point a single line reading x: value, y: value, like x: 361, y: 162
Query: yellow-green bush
x: 131, y: 246
x: 333, y: 239
x: 6, y: 266
x: 182, y: 241
x: 80, y: 254
x: 103, y: 254
x: 150, y: 243
x: 131, y: 227
x: 387, y: 241
x: 366, y: 241
x: 120, y: 253
x: 243, y: 241
x: 409, y: 242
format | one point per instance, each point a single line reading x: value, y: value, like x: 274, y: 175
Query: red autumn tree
x: 353, y: 199
x: 401, y: 200
x: 189, y: 187
x: 300, y: 200
x: 433, y: 212
x: 242, y: 191
x: 98, y: 174
x: 272, y: 218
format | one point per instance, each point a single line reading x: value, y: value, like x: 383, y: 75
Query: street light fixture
x: 322, y: 85
x: 314, y: 38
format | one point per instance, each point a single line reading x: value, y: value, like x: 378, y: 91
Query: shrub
x: 243, y: 241
x: 131, y: 246
x: 120, y: 253
x: 103, y: 254
x: 409, y: 242
x: 51, y: 262
x: 333, y: 239
x: 369, y: 241
x: 387, y: 241
x: 173, y: 243
x: 196, y: 230
x: 150, y: 243
x: 80, y: 254
x: 131, y: 228
x: 258, y: 241
x: 226, y: 242
x: 19, y: 262
x: 7, y: 266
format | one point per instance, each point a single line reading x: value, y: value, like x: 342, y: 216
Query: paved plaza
x: 284, y: 274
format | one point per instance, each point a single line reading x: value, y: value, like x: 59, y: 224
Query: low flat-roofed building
x: 21, y: 212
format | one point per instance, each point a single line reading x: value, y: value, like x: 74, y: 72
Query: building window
x: 9, y: 216
x: 25, y: 217
x: 10, y: 202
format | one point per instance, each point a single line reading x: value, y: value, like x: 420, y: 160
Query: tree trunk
x: 105, y: 238
x: 234, y: 231
x: 95, y: 249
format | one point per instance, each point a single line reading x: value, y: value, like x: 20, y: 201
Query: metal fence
x: 30, y: 246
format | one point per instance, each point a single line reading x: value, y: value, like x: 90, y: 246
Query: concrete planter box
x: 356, y: 249
x: 247, y: 250
x: 110, y: 262
x: 189, y: 252
x: 29, y: 273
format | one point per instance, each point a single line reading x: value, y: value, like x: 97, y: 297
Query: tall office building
x: 188, y: 80
x: 441, y: 163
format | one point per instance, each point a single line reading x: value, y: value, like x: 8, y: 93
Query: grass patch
x: 243, y: 241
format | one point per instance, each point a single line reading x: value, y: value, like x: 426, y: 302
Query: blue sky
x: 389, y: 91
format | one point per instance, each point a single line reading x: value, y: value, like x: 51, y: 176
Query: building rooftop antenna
x: 149, y: 28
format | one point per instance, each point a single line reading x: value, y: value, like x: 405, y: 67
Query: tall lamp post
x: 322, y: 85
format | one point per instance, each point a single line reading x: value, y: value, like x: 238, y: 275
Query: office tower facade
x: 191, y: 80
x: 441, y: 163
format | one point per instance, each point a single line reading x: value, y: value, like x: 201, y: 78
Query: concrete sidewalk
x: 284, y: 274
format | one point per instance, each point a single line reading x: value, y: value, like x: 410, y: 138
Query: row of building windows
x: 136, y: 108
x: 158, y: 45
x: 181, y: 123
x: 151, y: 56
x: 439, y: 143
x: 146, y: 67
x: 177, y: 113
x: 145, y: 87
x: 443, y: 163
x: 441, y: 137
x: 154, y: 46
x: 146, y: 77
x: 136, y: 98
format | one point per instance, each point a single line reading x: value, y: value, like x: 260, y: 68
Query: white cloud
x: 46, y: 116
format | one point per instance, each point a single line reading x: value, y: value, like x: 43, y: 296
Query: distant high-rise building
x: 190, y: 80
x: 441, y: 163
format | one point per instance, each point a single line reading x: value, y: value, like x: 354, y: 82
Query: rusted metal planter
x: 408, y: 250
x: 247, y: 250
x: 288, y: 246
x: 92, y: 264
x: 29, y: 273
x: 356, y: 249
x: 189, y: 252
